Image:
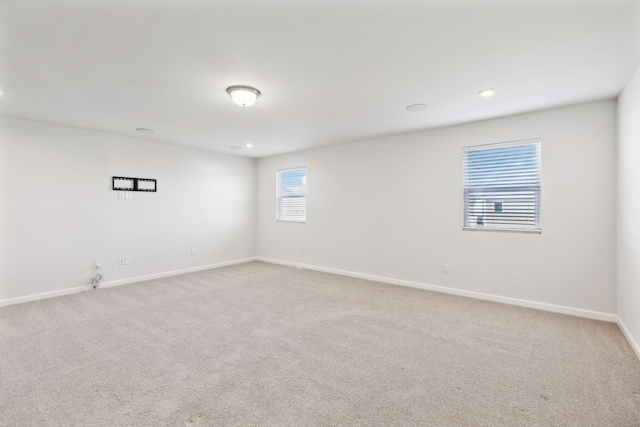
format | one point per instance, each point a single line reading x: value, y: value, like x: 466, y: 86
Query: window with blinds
x: 291, y: 195
x: 501, y: 187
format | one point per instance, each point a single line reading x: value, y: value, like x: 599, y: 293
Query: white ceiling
x: 330, y: 71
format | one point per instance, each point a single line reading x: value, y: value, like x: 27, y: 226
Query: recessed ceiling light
x: 417, y: 107
x: 144, y: 130
x: 485, y: 93
x: 244, y: 96
x: 248, y: 145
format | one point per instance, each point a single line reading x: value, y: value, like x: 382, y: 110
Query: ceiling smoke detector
x: 244, y: 96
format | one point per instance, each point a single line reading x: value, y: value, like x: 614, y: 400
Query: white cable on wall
x: 98, y: 277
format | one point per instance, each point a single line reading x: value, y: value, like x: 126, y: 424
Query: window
x: 291, y: 195
x: 501, y: 187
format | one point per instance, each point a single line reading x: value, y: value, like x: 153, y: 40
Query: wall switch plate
x: 128, y: 195
x: 193, y: 252
x: 121, y: 195
x: 445, y: 268
x: 120, y: 260
x: 127, y: 259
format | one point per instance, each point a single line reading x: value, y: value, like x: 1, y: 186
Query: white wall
x: 629, y: 208
x: 58, y: 212
x: 391, y: 207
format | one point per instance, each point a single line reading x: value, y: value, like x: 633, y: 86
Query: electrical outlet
x: 127, y: 259
x: 120, y: 260
x: 301, y: 250
x: 445, y: 268
x: 193, y: 252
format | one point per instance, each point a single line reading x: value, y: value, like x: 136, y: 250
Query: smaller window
x: 291, y: 195
x: 501, y: 187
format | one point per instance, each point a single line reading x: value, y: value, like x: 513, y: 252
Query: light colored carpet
x: 265, y: 345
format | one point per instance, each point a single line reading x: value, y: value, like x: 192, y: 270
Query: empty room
x: 320, y: 213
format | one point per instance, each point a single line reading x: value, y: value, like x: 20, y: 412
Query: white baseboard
x: 478, y: 295
x: 174, y: 273
x: 627, y: 334
x: 607, y: 317
x: 44, y: 295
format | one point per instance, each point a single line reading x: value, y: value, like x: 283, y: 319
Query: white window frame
x: 537, y: 189
x: 280, y: 197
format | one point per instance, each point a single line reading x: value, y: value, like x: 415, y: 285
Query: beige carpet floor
x: 265, y: 345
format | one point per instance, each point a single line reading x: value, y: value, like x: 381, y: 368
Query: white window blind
x: 501, y: 187
x: 291, y: 195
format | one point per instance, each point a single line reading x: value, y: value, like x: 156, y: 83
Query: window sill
x: 504, y: 230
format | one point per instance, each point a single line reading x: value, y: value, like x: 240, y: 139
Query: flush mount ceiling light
x: 417, y: 107
x: 485, y: 93
x: 244, y: 96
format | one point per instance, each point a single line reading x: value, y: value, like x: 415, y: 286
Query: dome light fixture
x: 244, y: 96
x: 486, y: 93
